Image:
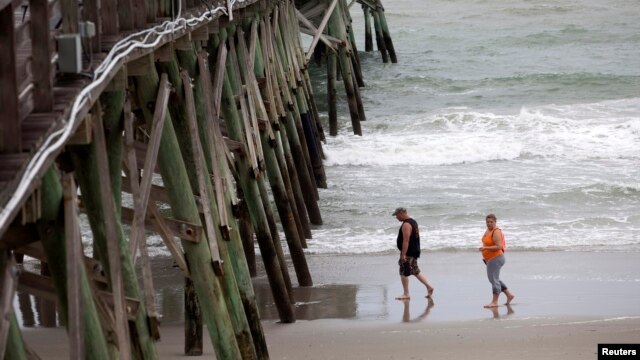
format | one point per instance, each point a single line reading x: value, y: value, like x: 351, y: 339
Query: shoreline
x: 566, y: 303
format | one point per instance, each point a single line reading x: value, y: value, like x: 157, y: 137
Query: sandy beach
x: 566, y: 303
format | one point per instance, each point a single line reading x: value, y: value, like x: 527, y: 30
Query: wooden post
x: 304, y: 127
x: 15, y: 346
x: 226, y: 199
x: 254, y: 203
x: 188, y: 129
x: 332, y: 71
x: 309, y: 190
x: 353, y: 49
x: 91, y: 177
x: 238, y: 317
x: 192, y: 320
x: 115, y: 262
x: 368, y: 39
x: 386, y: 35
x: 11, y: 343
x: 10, y: 138
x: 74, y: 254
x: 275, y: 178
x: 236, y: 84
x: 377, y: 24
x: 246, y: 234
x: 141, y: 199
x: 8, y: 285
x: 265, y: 61
x: 41, y: 55
x: 52, y: 234
x: 183, y: 206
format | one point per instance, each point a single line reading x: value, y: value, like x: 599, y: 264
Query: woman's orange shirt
x: 487, y: 240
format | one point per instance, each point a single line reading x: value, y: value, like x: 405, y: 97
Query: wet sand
x: 566, y: 303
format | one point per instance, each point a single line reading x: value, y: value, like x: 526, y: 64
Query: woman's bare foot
x: 429, y: 292
x: 491, y: 305
x: 403, y: 297
x: 509, y: 298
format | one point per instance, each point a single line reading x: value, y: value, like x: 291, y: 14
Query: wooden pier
x: 177, y: 117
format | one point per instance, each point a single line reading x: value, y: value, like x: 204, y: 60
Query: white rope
x: 124, y: 47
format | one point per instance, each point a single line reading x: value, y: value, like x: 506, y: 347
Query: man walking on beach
x: 408, y: 243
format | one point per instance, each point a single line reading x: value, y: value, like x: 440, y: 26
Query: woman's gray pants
x: 493, y: 273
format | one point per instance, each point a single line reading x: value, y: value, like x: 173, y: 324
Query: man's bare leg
x: 423, y: 279
x: 405, y: 288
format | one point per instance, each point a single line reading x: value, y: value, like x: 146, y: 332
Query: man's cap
x: 399, y: 210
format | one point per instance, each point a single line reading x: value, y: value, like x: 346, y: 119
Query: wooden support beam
x: 42, y: 286
x: 158, y: 193
x: 141, y: 66
x: 115, y: 266
x: 8, y: 283
x: 19, y: 235
x: 201, y: 172
x: 149, y: 162
x: 218, y: 79
x: 84, y: 133
x: 167, y: 237
x: 36, y: 251
x: 74, y: 254
x: 9, y: 122
x: 166, y: 53
x: 69, y: 16
x: 41, y: 55
x: 141, y: 154
x: 140, y: 200
x: 109, y: 16
x: 125, y: 14
x: 215, y: 144
x: 183, y: 42
x: 32, y: 208
x: 200, y: 34
x: 182, y: 229
x: 119, y: 81
x: 236, y: 147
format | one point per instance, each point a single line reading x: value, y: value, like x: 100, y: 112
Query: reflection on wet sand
x: 406, y: 314
x: 496, y: 312
x: 341, y: 301
x: 319, y: 302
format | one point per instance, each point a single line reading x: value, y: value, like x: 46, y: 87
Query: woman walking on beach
x: 493, y: 255
x: 408, y: 243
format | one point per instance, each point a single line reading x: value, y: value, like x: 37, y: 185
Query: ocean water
x: 528, y: 109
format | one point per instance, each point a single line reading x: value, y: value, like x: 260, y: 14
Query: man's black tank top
x: 414, y: 239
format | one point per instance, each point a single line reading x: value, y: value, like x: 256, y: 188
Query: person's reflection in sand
x: 406, y: 317
x: 496, y: 314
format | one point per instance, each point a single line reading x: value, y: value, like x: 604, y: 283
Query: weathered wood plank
x: 74, y: 254
x: 8, y: 285
x: 41, y: 55
x: 150, y: 159
x: 201, y: 172
x: 115, y: 268
x: 10, y: 133
x: 182, y: 229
